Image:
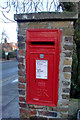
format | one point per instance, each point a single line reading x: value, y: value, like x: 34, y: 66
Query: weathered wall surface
x: 64, y: 23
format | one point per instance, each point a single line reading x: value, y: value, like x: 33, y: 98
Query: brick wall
x: 66, y: 25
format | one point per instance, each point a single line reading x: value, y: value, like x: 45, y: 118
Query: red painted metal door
x: 41, y: 87
x: 42, y: 66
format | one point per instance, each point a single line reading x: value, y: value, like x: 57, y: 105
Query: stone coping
x: 43, y: 16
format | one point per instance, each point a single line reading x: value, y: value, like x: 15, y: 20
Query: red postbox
x: 42, y: 66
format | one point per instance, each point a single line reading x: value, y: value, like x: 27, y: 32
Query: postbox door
x: 41, y: 78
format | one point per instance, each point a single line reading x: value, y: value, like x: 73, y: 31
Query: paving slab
x: 10, y: 100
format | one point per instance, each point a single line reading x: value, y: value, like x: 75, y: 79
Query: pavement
x: 9, y: 92
x: 10, y: 100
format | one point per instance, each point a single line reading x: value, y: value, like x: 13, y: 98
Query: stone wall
x: 65, y: 24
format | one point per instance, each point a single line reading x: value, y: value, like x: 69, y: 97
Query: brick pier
x: 64, y: 22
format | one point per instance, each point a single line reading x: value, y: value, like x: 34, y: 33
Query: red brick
x: 21, y: 86
x: 21, y: 66
x: 21, y: 92
x: 27, y: 113
x: 22, y: 105
x: 22, y: 79
x: 20, y: 59
x: 21, y: 39
x: 21, y: 99
x: 21, y: 45
x: 22, y: 111
x: 21, y: 73
x: 21, y: 52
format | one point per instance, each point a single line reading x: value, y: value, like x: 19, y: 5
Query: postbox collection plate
x: 42, y: 66
x: 41, y: 69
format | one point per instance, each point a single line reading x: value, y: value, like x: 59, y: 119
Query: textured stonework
x: 45, y: 20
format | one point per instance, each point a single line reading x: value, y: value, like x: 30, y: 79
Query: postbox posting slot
x: 42, y: 43
x: 45, y: 44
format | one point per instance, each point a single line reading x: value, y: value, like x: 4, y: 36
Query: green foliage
x: 75, y: 88
x: 75, y: 80
x: 3, y: 54
x: 77, y: 31
x: 68, y: 6
x: 74, y: 65
x: 12, y: 54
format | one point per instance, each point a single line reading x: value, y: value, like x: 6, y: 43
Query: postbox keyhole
x: 35, y: 80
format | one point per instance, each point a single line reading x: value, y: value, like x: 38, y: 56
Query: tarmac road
x: 9, y: 69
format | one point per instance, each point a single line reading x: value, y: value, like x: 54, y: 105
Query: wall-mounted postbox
x: 42, y: 66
